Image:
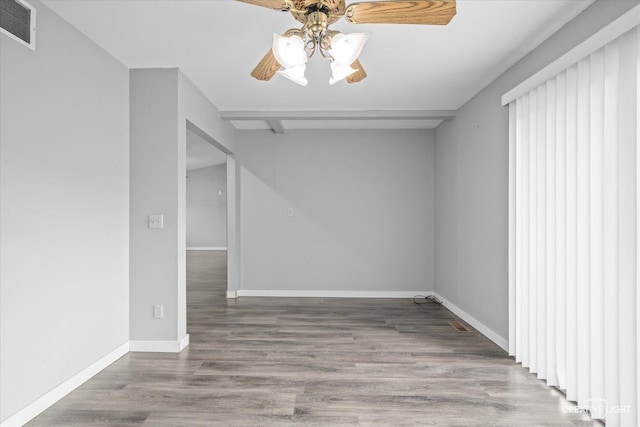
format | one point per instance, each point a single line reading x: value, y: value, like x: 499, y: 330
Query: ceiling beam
x: 276, y: 125
x: 278, y: 116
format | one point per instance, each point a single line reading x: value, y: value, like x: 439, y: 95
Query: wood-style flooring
x: 313, y: 362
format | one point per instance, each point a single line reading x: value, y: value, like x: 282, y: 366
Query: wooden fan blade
x: 266, y: 68
x: 430, y: 12
x: 358, y: 75
x: 269, y: 4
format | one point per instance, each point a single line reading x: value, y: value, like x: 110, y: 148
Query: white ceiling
x: 216, y: 43
x: 201, y: 154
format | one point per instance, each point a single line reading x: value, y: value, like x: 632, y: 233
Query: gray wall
x: 64, y: 208
x: 163, y: 104
x: 154, y: 187
x: 471, y: 158
x: 206, y: 208
x: 363, y: 210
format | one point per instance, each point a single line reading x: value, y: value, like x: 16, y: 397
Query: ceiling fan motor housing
x: 317, y: 22
x: 333, y: 9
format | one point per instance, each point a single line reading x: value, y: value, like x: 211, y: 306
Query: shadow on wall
x: 337, y: 210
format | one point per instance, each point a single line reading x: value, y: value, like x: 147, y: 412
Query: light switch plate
x: 156, y: 221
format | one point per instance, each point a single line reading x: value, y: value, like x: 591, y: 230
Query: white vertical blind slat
x: 550, y: 276
x: 533, y: 231
x: 596, y: 209
x: 583, y: 290
x: 525, y: 210
x: 519, y: 243
x: 610, y: 156
x: 541, y: 175
x: 571, y: 230
x: 561, y: 235
x: 637, y: 55
x: 627, y: 242
x: 512, y: 227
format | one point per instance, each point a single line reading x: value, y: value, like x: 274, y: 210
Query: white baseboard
x: 159, y: 346
x: 207, y: 248
x: 184, y: 342
x: 478, y: 325
x: 37, y: 407
x: 232, y: 295
x: 325, y: 294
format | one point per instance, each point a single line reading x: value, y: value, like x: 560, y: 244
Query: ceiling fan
x: 290, y: 51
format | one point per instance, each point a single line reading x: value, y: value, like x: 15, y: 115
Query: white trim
x: 184, y: 342
x: 327, y: 294
x: 41, y: 404
x: 232, y: 294
x: 159, y: 346
x: 481, y: 327
x: 207, y: 248
x: 32, y: 35
x: 606, y: 35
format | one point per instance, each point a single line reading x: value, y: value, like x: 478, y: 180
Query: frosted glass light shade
x: 345, y: 49
x: 340, y: 72
x: 290, y: 54
x: 295, y: 74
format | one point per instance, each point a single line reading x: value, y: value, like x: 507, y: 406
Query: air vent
x: 458, y: 326
x: 18, y: 21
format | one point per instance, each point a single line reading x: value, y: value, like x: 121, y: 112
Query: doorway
x: 206, y: 225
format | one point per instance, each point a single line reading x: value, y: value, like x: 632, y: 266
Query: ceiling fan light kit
x: 290, y: 52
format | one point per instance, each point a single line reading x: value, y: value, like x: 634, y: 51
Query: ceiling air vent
x: 18, y: 21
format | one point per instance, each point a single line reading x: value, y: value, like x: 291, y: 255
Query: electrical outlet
x: 290, y: 212
x: 158, y: 311
x: 156, y: 221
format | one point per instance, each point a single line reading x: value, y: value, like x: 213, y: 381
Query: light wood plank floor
x: 313, y: 362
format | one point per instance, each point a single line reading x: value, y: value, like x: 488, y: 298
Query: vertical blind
x: 573, y: 232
